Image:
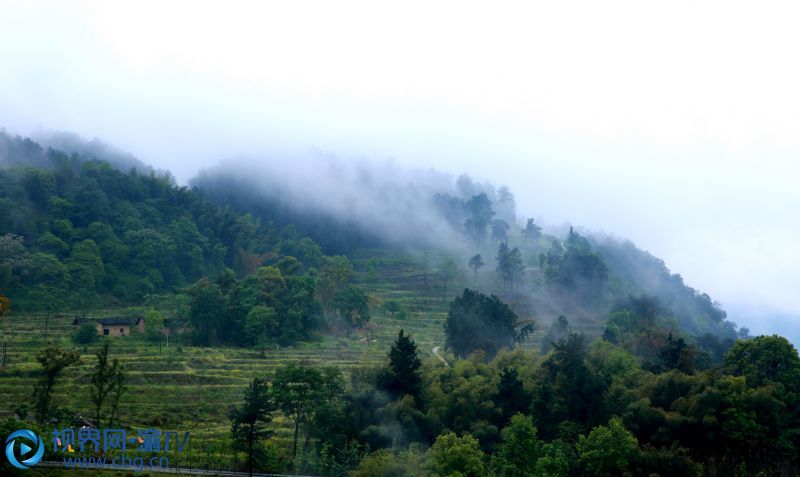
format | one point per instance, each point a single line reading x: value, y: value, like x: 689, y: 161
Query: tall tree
x: 608, y: 451
x: 479, y: 322
x: 511, y: 397
x: 480, y: 213
x: 53, y: 361
x: 509, y: 264
x: 447, y: 269
x: 476, y: 263
x: 567, y: 388
x: 206, y: 311
x: 352, y: 304
x: 301, y: 391
x: 249, y: 421
x: 103, y: 380
x: 403, y: 374
x: 118, y: 389
x: 451, y: 455
x: 765, y: 358
x: 334, y: 275
x: 519, y: 449
x: 532, y: 232
x: 500, y: 230
x: 260, y: 323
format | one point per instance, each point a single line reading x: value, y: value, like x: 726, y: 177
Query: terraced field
x: 188, y: 388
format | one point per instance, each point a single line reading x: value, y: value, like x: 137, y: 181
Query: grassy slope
x: 192, y: 388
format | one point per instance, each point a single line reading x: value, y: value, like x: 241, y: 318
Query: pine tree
x: 248, y: 422
x: 511, y: 397
x: 475, y: 263
x: 403, y: 375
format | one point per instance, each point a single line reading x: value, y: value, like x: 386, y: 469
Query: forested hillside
x: 374, y: 326
x: 544, y: 273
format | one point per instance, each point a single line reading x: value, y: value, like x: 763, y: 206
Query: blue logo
x: 24, y: 449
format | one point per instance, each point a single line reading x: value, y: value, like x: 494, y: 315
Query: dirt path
x: 436, y: 353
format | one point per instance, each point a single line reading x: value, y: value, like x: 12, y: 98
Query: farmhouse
x: 114, y: 326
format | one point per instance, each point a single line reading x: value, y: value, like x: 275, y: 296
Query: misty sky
x: 676, y: 125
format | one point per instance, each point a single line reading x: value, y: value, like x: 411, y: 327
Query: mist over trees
x: 568, y: 352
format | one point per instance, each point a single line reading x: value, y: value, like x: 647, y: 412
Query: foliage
x: 608, y: 451
x: 511, y: 397
x: 249, y: 421
x: 53, y: 362
x: 5, y: 305
x: 352, y: 304
x: 106, y: 380
x: 532, y: 232
x: 85, y: 334
x: 520, y: 448
x: 403, y: 376
x: 300, y: 392
x: 567, y: 389
x: 479, y: 322
x: 476, y: 263
x: 332, y: 277
x: 509, y: 264
x: 452, y: 456
x: 388, y: 463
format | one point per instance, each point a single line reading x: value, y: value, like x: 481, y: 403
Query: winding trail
x: 436, y: 353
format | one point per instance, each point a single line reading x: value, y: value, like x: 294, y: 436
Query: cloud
x: 676, y: 125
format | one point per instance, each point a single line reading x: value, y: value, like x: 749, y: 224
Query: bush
x: 86, y: 334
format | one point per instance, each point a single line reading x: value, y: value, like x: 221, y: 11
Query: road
x: 436, y: 353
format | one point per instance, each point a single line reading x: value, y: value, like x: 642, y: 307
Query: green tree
x: 559, y: 330
x: 85, y: 334
x: 103, y: 381
x: 372, y: 270
x: 554, y: 460
x: 260, y: 324
x: 403, y: 375
x: 453, y: 456
x: 511, y: 397
x: 532, y: 232
x: 479, y: 322
x: 392, y: 306
x: 53, y: 362
x: 500, y: 230
x: 299, y: 391
x: 206, y: 310
x: 608, y: 451
x: 119, y: 388
x: 14, y: 258
x: 153, y: 326
x: 389, y: 463
x: 476, y: 263
x: 567, y: 390
x: 447, y: 269
x: 509, y: 264
x: 249, y: 421
x: 52, y: 244
x: 479, y: 213
x: 332, y: 277
x: 765, y: 358
x: 352, y: 304
x: 677, y: 354
x: 85, y: 265
x: 519, y: 449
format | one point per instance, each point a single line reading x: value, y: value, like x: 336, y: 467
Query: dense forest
x: 635, y: 373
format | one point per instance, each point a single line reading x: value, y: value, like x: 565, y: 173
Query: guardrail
x: 168, y: 470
